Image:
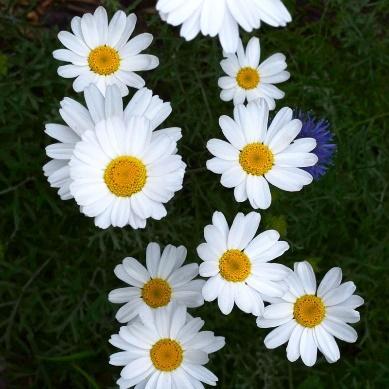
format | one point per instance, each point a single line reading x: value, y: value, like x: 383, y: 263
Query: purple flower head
x: 325, y: 149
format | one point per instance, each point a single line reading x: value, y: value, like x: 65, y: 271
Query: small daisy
x: 165, y: 350
x: 122, y: 175
x: 249, y: 80
x: 222, y: 17
x: 102, y: 54
x: 325, y: 148
x: 309, y: 318
x: 236, y: 262
x: 80, y: 119
x: 163, y: 282
x: 255, y: 154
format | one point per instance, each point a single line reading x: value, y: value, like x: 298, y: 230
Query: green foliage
x: 3, y: 65
x: 56, y: 268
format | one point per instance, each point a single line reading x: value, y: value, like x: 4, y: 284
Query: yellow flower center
x: 309, y: 310
x: 234, y: 266
x: 256, y: 159
x: 104, y: 60
x: 248, y: 78
x: 166, y: 355
x: 125, y: 176
x: 156, y: 293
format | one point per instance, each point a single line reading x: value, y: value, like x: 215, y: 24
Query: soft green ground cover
x: 56, y: 267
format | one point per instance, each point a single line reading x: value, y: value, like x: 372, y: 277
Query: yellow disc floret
x: 156, y: 293
x: 256, y: 159
x: 234, y: 266
x: 309, y: 310
x: 248, y: 78
x: 125, y: 176
x: 166, y: 355
x: 104, y: 60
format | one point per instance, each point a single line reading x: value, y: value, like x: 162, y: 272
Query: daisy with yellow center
x: 165, y: 349
x: 236, y: 261
x: 248, y: 79
x: 164, y: 280
x: 310, y: 318
x: 256, y: 154
x: 103, y: 54
x: 122, y: 173
x: 79, y: 119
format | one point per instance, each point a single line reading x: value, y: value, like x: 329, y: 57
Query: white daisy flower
x: 236, y: 262
x: 79, y: 119
x: 122, y: 175
x: 101, y: 53
x: 249, y: 80
x: 309, y: 318
x: 164, y: 281
x: 165, y: 350
x: 222, y: 17
x: 255, y: 154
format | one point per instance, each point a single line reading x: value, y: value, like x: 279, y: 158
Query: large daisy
x: 165, y: 350
x: 164, y: 281
x: 256, y: 154
x: 79, y: 119
x: 309, y: 318
x: 222, y: 17
x: 236, y: 262
x: 101, y: 53
x: 122, y: 175
x: 249, y: 80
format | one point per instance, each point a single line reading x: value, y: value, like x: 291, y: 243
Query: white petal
x: 212, y: 288
x: 232, y: 132
x: 339, y: 294
x: 289, y: 179
x: 278, y: 311
x: 285, y: 136
x: 226, y: 299
x: 262, y: 243
x: 223, y: 150
x: 307, y: 276
x: 331, y: 280
x: 293, y: 347
x: 280, y: 335
x: 258, y: 192
x: 326, y: 344
x: 341, y: 331
x: 153, y: 255
x: 308, y: 348
x: 136, y: 270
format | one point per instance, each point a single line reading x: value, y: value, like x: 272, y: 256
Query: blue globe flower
x: 325, y: 149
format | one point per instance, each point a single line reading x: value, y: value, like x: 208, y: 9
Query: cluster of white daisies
x: 114, y: 160
x: 162, y: 345
x: 121, y: 168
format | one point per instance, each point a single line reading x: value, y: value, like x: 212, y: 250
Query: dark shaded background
x: 56, y: 268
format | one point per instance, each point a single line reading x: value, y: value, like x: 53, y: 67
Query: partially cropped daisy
x: 310, y: 318
x: 165, y: 350
x: 222, y: 17
x: 248, y: 79
x: 101, y: 53
x: 164, y: 281
x: 236, y: 262
x: 79, y: 119
x: 325, y: 148
x: 256, y: 154
x: 122, y: 175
